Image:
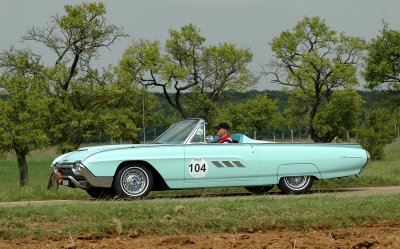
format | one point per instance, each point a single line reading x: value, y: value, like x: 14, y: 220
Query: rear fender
x: 298, y: 169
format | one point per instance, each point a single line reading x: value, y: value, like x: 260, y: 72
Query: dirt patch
x: 383, y: 234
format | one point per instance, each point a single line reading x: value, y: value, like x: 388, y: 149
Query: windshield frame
x: 181, y: 132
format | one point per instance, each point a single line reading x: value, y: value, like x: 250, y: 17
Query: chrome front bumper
x: 77, y: 175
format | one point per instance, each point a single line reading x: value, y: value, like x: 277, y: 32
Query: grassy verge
x: 174, y: 216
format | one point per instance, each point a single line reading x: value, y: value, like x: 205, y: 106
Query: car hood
x: 84, y: 152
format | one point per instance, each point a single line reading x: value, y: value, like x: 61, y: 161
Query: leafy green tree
x: 102, y: 104
x: 314, y: 61
x: 376, y: 131
x: 123, y: 119
x: 257, y: 114
x: 382, y: 71
x: 338, y: 116
x: 295, y: 113
x: 82, y: 95
x: 24, y: 118
x: 187, y: 65
x: 76, y: 38
x: 382, y: 63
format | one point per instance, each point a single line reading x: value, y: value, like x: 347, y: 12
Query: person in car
x: 223, y: 133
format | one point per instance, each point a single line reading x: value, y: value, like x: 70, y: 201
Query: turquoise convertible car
x: 183, y: 157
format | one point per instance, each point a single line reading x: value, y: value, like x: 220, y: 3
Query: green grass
x: 38, y: 173
x: 193, y: 216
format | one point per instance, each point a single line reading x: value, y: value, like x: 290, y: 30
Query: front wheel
x: 133, y: 181
x: 295, y: 184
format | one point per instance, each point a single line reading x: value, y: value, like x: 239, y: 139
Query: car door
x: 213, y: 165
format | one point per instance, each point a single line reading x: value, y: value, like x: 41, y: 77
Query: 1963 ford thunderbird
x: 183, y: 157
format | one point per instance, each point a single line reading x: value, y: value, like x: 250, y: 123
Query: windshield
x: 177, y: 133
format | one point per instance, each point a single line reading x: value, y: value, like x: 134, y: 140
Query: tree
x: 80, y: 93
x: 337, y: 117
x: 314, y: 61
x: 376, y: 131
x: 382, y: 71
x: 100, y: 103
x: 258, y: 113
x: 382, y: 63
x: 187, y: 65
x: 76, y: 39
x: 295, y: 112
x: 24, y: 118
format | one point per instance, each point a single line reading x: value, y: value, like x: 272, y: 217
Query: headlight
x: 76, y: 168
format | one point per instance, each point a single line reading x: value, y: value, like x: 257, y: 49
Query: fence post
x: 291, y: 134
x: 274, y: 135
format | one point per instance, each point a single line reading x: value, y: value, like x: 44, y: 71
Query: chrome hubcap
x: 134, y: 181
x: 297, y: 182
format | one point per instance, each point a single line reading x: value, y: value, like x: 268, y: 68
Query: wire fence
x: 276, y: 135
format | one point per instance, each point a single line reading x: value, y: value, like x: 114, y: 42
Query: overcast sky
x: 247, y: 23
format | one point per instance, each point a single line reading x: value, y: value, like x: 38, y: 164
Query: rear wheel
x: 295, y: 184
x: 133, y: 181
x: 259, y: 189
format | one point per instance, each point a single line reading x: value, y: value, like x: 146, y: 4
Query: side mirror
x: 209, y: 138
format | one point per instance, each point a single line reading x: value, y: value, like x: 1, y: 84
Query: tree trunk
x: 23, y: 167
x: 313, y: 133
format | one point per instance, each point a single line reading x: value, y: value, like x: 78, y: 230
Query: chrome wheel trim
x: 134, y: 181
x: 297, y: 182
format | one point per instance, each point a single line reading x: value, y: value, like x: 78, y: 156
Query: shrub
x: 376, y: 131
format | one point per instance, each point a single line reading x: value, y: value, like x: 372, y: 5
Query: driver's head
x: 222, y: 129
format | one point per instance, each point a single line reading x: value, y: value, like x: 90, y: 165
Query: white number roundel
x: 198, y: 168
